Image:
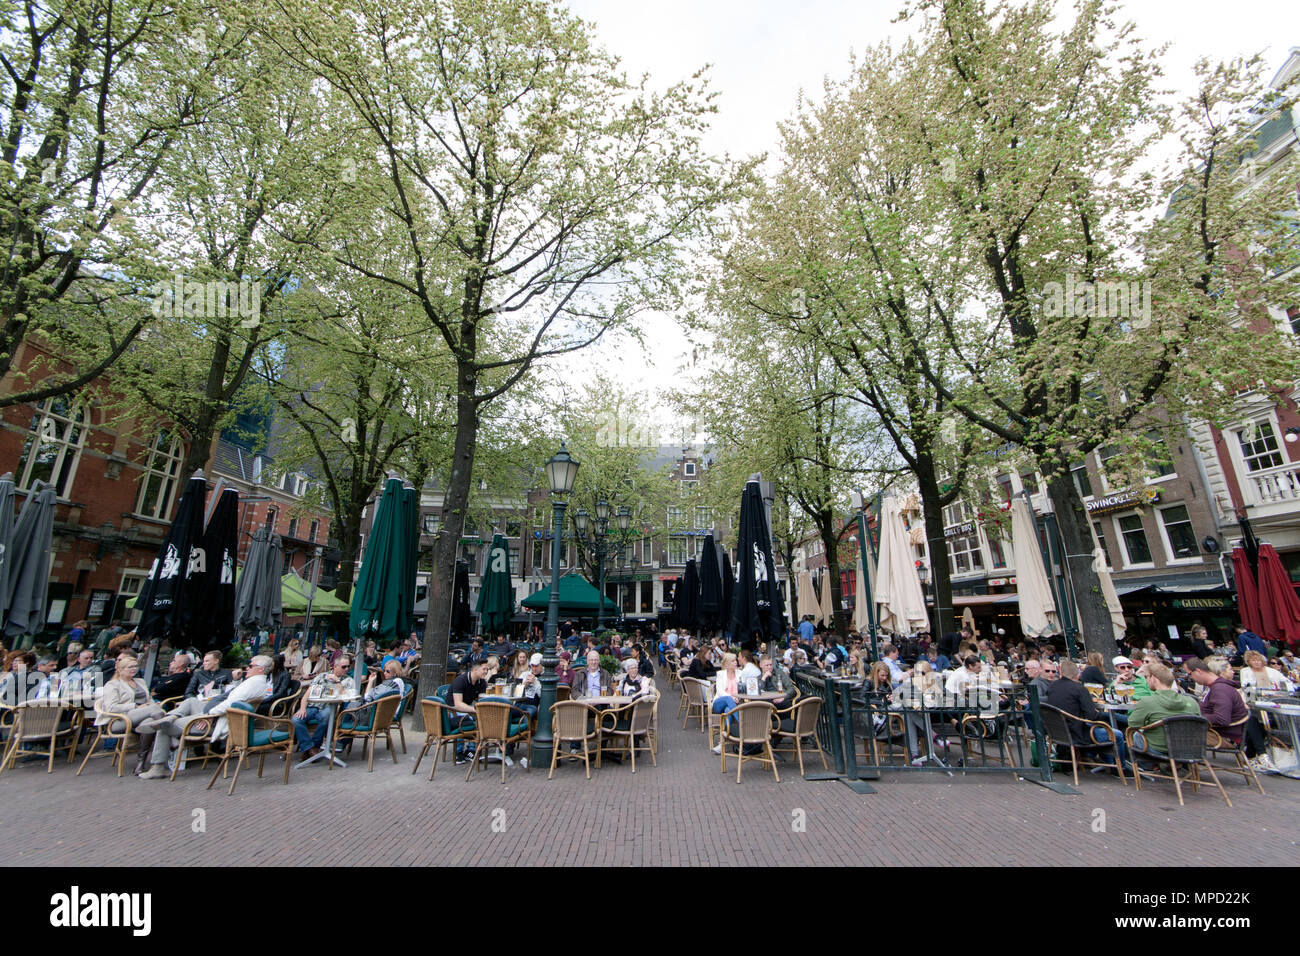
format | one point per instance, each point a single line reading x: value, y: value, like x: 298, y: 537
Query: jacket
x: 580, y: 683
x: 120, y: 697
x: 1073, y: 698
x: 201, y: 679
x: 1160, y: 704
x: 1222, y: 705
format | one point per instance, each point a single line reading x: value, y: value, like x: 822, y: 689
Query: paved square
x: 683, y: 812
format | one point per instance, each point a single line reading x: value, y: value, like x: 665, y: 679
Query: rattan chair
x: 439, y: 730
x: 681, y: 689
x: 502, y: 724
x: 756, y: 718
x: 641, y: 713
x: 1056, y: 724
x: 246, y: 741
x: 402, y: 709
x: 563, y: 692
x: 1218, y: 744
x: 367, y: 722
x: 978, y: 731
x: 1185, y: 743
x: 116, y: 728
x: 804, y: 714
x: 285, y: 706
x: 697, y: 702
x: 570, y: 725
x: 195, y: 733
x: 36, y: 730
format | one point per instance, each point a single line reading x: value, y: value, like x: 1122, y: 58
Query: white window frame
x: 1123, y: 543
x: 688, y: 469
x: 172, y: 459
x: 78, y: 418
x: 678, y: 541
x: 1168, y: 543
x: 1267, y: 416
x: 138, y: 576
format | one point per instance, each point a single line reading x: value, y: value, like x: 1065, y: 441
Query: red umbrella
x: 1279, y: 606
x: 1247, y: 593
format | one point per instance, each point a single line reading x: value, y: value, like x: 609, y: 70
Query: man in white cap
x: 1126, y: 675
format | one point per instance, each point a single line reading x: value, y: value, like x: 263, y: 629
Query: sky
x: 764, y: 54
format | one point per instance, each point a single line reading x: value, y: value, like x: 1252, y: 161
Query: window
x: 1259, y: 448
x: 161, y: 477
x: 514, y: 562
x: 704, y: 517
x: 964, y: 554
x: 512, y: 529
x: 647, y: 550
x: 688, y: 486
x: 313, y: 530
x: 677, y: 550
x: 629, y: 554
x: 1179, y: 532
x: 287, y: 564
x: 676, y: 517
x: 293, y: 527
x: 1079, y: 474
x: 1104, y: 456
x: 1293, y: 317
x: 431, y: 522
x: 1029, y: 481
x: 271, y: 515
x: 1101, y: 541
x: 1135, y: 539
x: 1160, y: 461
x: 132, y: 582
x: 538, y: 547
x: 689, y: 469
x: 954, y: 514
x: 1004, y: 484
x: 995, y: 552
x: 52, y: 450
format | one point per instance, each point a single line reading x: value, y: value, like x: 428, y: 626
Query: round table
x: 1290, y: 713
x: 327, y: 748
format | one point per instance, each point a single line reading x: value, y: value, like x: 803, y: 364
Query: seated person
x: 633, y: 682
x: 1163, y: 701
x: 309, y: 741
x: 125, y: 693
x: 748, y: 668
x: 920, y: 690
x: 177, y: 679
x: 393, y: 683
x: 592, y: 680
x: 312, y: 666
x: 528, y: 690
x: 210, y: 673
x: 702, y: 668
x: 1126, y: 676
x: 726, y: 692
x: 1067, y: 694
x: 1093, y: 673
x: 1259, y: 675
x: 889, y: 654
x: 465, y: 690
x: 773, y: 679
x: 564, y: 670
x: 281, y: 685
x: 1223, y: 706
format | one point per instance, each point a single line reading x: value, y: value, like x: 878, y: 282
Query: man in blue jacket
x: 1248, y: 640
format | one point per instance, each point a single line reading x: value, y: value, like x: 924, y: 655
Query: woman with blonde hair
x: 520, y: 666
x: 919, y: 690
x: 881, y: 682
x: 726, y: 691
x: 292, y: 655
x: 1259, y: 675
x: 1095, y: 671
x: 125, y: 693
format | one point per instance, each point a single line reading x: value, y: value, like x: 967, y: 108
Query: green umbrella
x: 496, y: 598
x: 377, y: 599
x: 410, y: 552
x: 577, y: 597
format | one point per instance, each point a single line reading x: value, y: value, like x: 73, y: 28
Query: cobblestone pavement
x: 683, y: 812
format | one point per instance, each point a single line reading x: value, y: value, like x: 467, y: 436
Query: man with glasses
x: 1126, y: 676
x: 308, y: 740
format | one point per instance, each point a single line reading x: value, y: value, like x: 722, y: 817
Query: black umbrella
x: 29, y: 570
x: 728, y: 587
x: 461, y: 620
x: 173, y: 579
x: 690, y: 602
x: 258, y: 600
x: 209, y: 618
x: 710, y: 606
x: 1249, y: 542
x: 675, y: 615
x: 756, y: 606
x: 6, y: 537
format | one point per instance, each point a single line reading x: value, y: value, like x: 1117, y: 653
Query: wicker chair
x: 1185, y: 740
x: 697, y: 702
x: 1218, y: 744
x: 195, y: 733
x: 37, y: 722
x: 116, y: 728
x: 563, y: 692
x: 756, y: 719
x: 978, y: 731
x: 285, y: 706
x: 502, y: 724
x: 681, y: 687
x: 402, y: 708
x: 641, y: 712
x: 804, y: 714
x: 367, y: 722
x: 1056, y: 724
x: 246, y: 741
x: 569, y: 724
x: 438, y: 730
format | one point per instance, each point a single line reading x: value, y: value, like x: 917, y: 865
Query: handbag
x: 1283, y: 757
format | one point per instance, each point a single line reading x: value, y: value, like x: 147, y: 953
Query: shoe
x: 509, y: 762
x: 310, y: 752
x: 1263, y: 764
x: 523, y: 762
x: 918, y: 761
x: 461, y: 760
x: 156, y: 772
x: 718, y: 749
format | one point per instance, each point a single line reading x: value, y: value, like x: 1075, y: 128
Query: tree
x: 94, y: 97
x: 541, y: 198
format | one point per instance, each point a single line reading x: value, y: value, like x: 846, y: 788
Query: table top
x: 342, y: 699
x: 607, y: 700
x: 1276, y: 707
x: 765, y: 695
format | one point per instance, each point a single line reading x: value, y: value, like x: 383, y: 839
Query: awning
x: 968, y: 600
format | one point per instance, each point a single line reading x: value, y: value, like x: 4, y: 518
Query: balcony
x: 1273, y: 486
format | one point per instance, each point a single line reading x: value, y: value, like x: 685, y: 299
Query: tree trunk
x: 826, y: 525
x: 1093, y: 615
x: 937, y: 548
x: 437, y: 634
x: 349, y: 548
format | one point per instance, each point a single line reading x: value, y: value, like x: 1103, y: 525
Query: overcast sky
x: 763, y: 54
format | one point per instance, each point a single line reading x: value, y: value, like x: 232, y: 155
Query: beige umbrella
x: 860, y: 618
x: 827, y: 609
x: 1117, y: 623
x: 1037, y: 609
x: 898, y: 589
x: 807, y: 597
x: 968, y: 619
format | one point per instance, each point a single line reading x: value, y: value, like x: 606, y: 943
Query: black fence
x: 984, y: 729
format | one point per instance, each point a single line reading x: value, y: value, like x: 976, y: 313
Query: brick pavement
x: 684, y: 812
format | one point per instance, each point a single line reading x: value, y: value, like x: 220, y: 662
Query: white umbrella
x: 806, y: 599
x: 861, y: 620
x: 1037, y: 609
x: 1117, y: 622
x: 898, y: 589
x: 827, y: 610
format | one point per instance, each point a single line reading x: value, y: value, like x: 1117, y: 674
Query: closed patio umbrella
x: 496, y: 598
x: 258, y: 599
x: 381, y: 582
x: 756, y: 605
x: 1037, y: 609
x: 209, y: 618
x: 826, y: 609
x: 806, y: 600
x: 166, y: 598
x: 710, y: 604
x: 1117, y: 623
x: 690, y: 597
x: 898, y: 589
x: 462, y: 622
x: 29, y: 571
x: 1247, y: 591
x: 1278, y: 605
x: 861, y: 619
x: 728, y: 588
x: 6, y: 537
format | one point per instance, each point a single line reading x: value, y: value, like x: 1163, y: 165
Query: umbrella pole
x: 863, y: 544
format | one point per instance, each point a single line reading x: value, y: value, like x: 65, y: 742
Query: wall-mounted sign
x: 960, y: 531
x: 1215, y: 602
x: 1137, y: 498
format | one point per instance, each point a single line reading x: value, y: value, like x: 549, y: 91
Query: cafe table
x: 1288, y: 712
x: 327, y: 749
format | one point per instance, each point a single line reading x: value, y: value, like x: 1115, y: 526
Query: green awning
x: 293, y: 596
x: 577, y: 596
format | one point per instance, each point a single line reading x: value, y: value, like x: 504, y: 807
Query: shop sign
x: 1126, y: 499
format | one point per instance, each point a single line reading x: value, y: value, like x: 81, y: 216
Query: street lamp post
x: 561, y: 470
x: 923, y: 573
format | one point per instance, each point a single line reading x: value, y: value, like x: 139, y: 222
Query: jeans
x: 723, y: 704
x: 1104, y: 734
x: 307, y: 738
